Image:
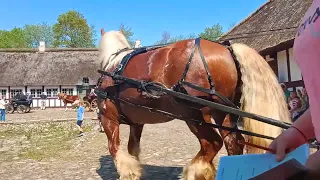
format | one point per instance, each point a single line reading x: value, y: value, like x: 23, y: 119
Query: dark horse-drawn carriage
x: 91, y: 98
x: 20, y: 103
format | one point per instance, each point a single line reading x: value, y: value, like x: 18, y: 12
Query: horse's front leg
x: 134, y: 140
x: 65, y: 106
x: 127, y: 165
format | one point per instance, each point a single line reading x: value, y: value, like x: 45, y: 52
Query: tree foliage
x: 181, y: 37
x: 212, y: 33
x: 166, y: 38
x: 127, y: 31
x: 73, y: 31
x: 16, y: 38
x: 232, y: 25
x: 39, y: 32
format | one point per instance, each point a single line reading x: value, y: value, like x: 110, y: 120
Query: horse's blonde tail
x: 261, y: 94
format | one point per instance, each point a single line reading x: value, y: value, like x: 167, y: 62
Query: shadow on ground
x: 108, y: 171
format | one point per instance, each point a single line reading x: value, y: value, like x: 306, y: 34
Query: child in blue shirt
x: 80, y: 116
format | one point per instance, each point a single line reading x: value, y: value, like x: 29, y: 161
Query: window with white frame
x: 36, y: 92
x: 3, y: 93
x: 85, y: 80
x: 14, y: 92
x: 52, y: 92
x: 68, y: 91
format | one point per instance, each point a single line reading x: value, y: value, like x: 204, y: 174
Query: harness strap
x: 211, y: 91
x: 186, y: 69
x: 205, y: 64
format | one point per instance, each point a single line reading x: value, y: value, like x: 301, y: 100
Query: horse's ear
x: 121, y: 31
x: 102, y: 31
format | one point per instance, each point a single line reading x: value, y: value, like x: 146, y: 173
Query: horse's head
x: 110, y: 43
x: 61, y: 95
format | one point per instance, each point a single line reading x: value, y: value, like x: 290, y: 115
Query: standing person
x: 305, y: 96
x: 295, y: 104
x: 43, y: 100
x: 2, y: 109
x: 80, y: 116
x: 286, y: 91
x: 307, y: 54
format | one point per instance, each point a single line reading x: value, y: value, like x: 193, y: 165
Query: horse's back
x: 166, y: 66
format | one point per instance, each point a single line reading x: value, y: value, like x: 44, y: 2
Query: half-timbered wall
x: 288, y: 71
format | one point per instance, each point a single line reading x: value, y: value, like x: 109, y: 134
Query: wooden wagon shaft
x: 221, y: 107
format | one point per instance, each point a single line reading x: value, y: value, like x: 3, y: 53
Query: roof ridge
x: 246, y: 19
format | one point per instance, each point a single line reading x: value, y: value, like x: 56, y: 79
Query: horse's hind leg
x: 127, y: 166
x: 134, y: 140
x: 230, y: 138
x: 201, y: 166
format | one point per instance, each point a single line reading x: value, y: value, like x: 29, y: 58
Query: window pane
x: 3, y: 93
x: 14, y: 92
x: 39, y: 91
x: 70, y: 92
x: 33, y: 92
x: 49, y: 93
x: 55, y: 92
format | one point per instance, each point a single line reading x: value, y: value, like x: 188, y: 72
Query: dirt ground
x: 53, y: 150
x: 44, y: 145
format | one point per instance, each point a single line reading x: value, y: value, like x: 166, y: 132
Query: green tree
x: 166, y: 38
x: 212, y: 33
x: 181, y: 37
x: 73, y: 31
x: 16, y: 38
x: 39, y: 32
x: 127, y: 32
x: 232, y: 25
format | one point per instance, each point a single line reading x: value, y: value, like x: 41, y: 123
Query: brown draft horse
x: 259, y: 92
x: 67, y: 99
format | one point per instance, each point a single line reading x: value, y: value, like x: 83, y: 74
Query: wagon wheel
x: 28, y: 109
x: 9, y: 109
x: 21, y: 109
x: 86, y: 105
x: 94, y: 104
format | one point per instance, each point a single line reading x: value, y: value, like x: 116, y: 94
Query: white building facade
x: 71, y: 71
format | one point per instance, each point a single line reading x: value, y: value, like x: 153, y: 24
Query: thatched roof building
x: 271, y: 26
x: 28, y: 67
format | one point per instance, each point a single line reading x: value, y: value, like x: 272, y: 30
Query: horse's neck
x: 115, y: 60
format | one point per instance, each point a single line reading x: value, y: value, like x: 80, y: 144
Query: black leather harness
x: 112, y: 92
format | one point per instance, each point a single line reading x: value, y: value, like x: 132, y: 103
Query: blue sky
x: 148, y: 19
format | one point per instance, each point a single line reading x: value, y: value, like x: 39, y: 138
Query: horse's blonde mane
x: 110, y: 43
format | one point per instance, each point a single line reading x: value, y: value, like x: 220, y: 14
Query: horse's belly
x: 143, y: 116
x: 138, y: 114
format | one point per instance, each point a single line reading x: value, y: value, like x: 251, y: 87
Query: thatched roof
x: 27, y: 67
x: 273, y: 23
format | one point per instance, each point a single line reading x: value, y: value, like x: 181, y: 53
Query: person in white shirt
x: 2, y: 109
